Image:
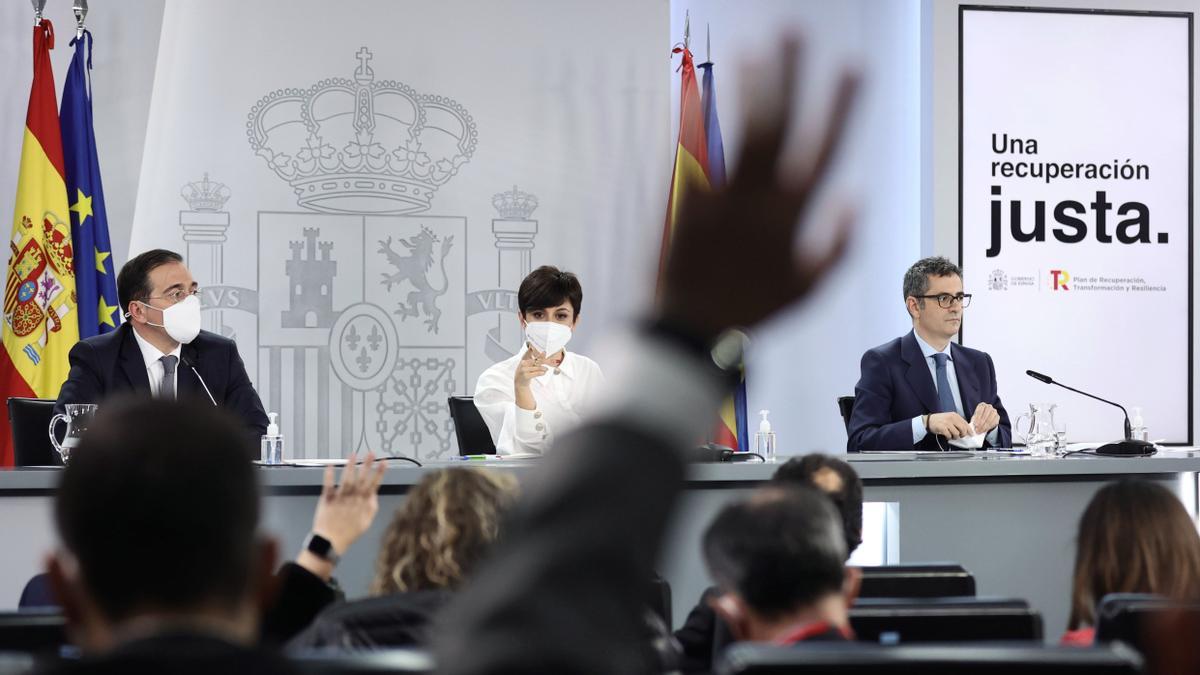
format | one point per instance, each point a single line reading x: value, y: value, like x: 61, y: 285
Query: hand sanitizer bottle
x: 1138, y: 426
x: 764, y: 440
x: 272, y: 442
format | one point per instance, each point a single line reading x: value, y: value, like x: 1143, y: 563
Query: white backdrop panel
x: 359, y: 253
x: 1070, y: 297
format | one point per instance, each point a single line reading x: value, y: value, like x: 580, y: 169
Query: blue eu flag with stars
x: 95, y: 272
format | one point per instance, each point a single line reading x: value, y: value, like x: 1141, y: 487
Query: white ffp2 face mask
x: 181, y: 320
x: 547, y: 337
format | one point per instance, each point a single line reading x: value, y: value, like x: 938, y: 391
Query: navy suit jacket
x: 896, y: 386
x: 111, y: 364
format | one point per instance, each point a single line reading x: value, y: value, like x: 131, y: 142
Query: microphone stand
x: 1126, y: 448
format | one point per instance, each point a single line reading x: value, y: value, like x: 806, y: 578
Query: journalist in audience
x: 1134, y: 537
x: 563, y: 591
x: 436, y: 539
x: 838, y: 480
x: 543, y: 390
x: 778, y: 559
x: 704, y: 635
x: 161, y: 565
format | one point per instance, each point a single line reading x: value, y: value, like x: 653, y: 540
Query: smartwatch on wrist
x: 322, y: 548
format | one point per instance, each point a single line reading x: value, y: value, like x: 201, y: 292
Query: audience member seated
x: 703, y: 635
x: 162, y: 567
x: 445, y: 527
x: 778, y: 559
x: 1134, y: 537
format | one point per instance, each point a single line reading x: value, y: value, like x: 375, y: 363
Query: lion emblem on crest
x: 414, y: 268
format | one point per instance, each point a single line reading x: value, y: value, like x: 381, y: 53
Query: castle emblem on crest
x: 361, y: 146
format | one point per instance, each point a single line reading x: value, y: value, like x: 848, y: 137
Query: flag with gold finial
x: 95, y: 270
x: 40, y: 324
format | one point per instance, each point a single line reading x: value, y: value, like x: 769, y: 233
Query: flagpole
x: 81, y: 10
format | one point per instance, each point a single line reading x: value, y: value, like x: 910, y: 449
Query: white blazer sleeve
x: 513, y: 429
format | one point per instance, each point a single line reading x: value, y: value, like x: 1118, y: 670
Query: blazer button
x: 537, y: 414
x: 539, y: 427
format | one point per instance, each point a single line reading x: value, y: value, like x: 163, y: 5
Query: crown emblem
x: 205, y: 195
x: 515, y: 205
x: 360, y: 145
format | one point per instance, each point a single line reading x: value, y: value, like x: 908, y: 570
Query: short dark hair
x: 159, y: 504
x: 848, y: 498
x: 916, y: 279
x: 781, y: 549
x: 548, y: 286
x: 133, y: 281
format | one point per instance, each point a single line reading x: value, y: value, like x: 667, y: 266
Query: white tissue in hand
x: 969, y: 442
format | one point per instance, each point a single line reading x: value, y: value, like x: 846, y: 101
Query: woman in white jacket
x: 542, y: 390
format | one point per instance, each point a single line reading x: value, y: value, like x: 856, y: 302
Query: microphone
x: 184, y: 360
x: 1129, y: 446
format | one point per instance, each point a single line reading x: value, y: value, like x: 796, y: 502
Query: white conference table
x: 1010, y: 520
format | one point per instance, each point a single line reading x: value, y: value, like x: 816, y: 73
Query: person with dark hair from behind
x: 778, y: 558
x: 1134, y: 537
x: 922, y: 390
x: 161, y: 567
x: 160, y: 350
x: 704, y: 635
x: 564, y: 590
x: 542, y: 390
x: 439, y: 535
x: 838, y: 480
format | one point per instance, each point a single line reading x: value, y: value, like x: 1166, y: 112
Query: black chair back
x: 902, y: 621
x: 846, y: 406
x: 986, y: 659
x: 34, y: 632
x: 1130, y: 617
x: 658, y: 597
x: 472, y: 432
x: 925, y: 580
x: 29, y: 419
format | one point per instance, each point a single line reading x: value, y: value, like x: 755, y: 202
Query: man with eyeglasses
x: 921, y: 391
x: 160, y: 350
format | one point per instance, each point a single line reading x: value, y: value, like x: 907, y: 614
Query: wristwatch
x: 322, y: 548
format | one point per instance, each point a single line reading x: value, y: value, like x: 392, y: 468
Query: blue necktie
x: 945, y: 397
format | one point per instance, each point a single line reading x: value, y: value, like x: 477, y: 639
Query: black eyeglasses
x: 945, y: 300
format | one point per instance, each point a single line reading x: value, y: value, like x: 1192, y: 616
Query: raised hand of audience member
x: 345, y: 510
x: 750, y: 226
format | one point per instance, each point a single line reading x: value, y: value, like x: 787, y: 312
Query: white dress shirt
x: 563, y: 395
x: 154, y: 366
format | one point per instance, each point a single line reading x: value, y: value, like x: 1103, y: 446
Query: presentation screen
x: 1075, y: 211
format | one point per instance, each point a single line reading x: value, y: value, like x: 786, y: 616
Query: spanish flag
x: 40, y: 325
x: 691, y: 153
x: 700, y: 165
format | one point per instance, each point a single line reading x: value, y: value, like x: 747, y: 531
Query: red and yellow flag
x: 691, y: 153
x: 39, y: 326
x: 700, y: 165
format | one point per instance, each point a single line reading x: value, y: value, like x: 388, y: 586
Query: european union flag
x: 95, y: 273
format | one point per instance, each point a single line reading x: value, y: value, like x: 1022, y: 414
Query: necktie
x: 945, y: 397
x: 167, y: 388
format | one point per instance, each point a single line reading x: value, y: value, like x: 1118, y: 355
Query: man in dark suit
x: 160, y: 350
x: 918, y: 391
